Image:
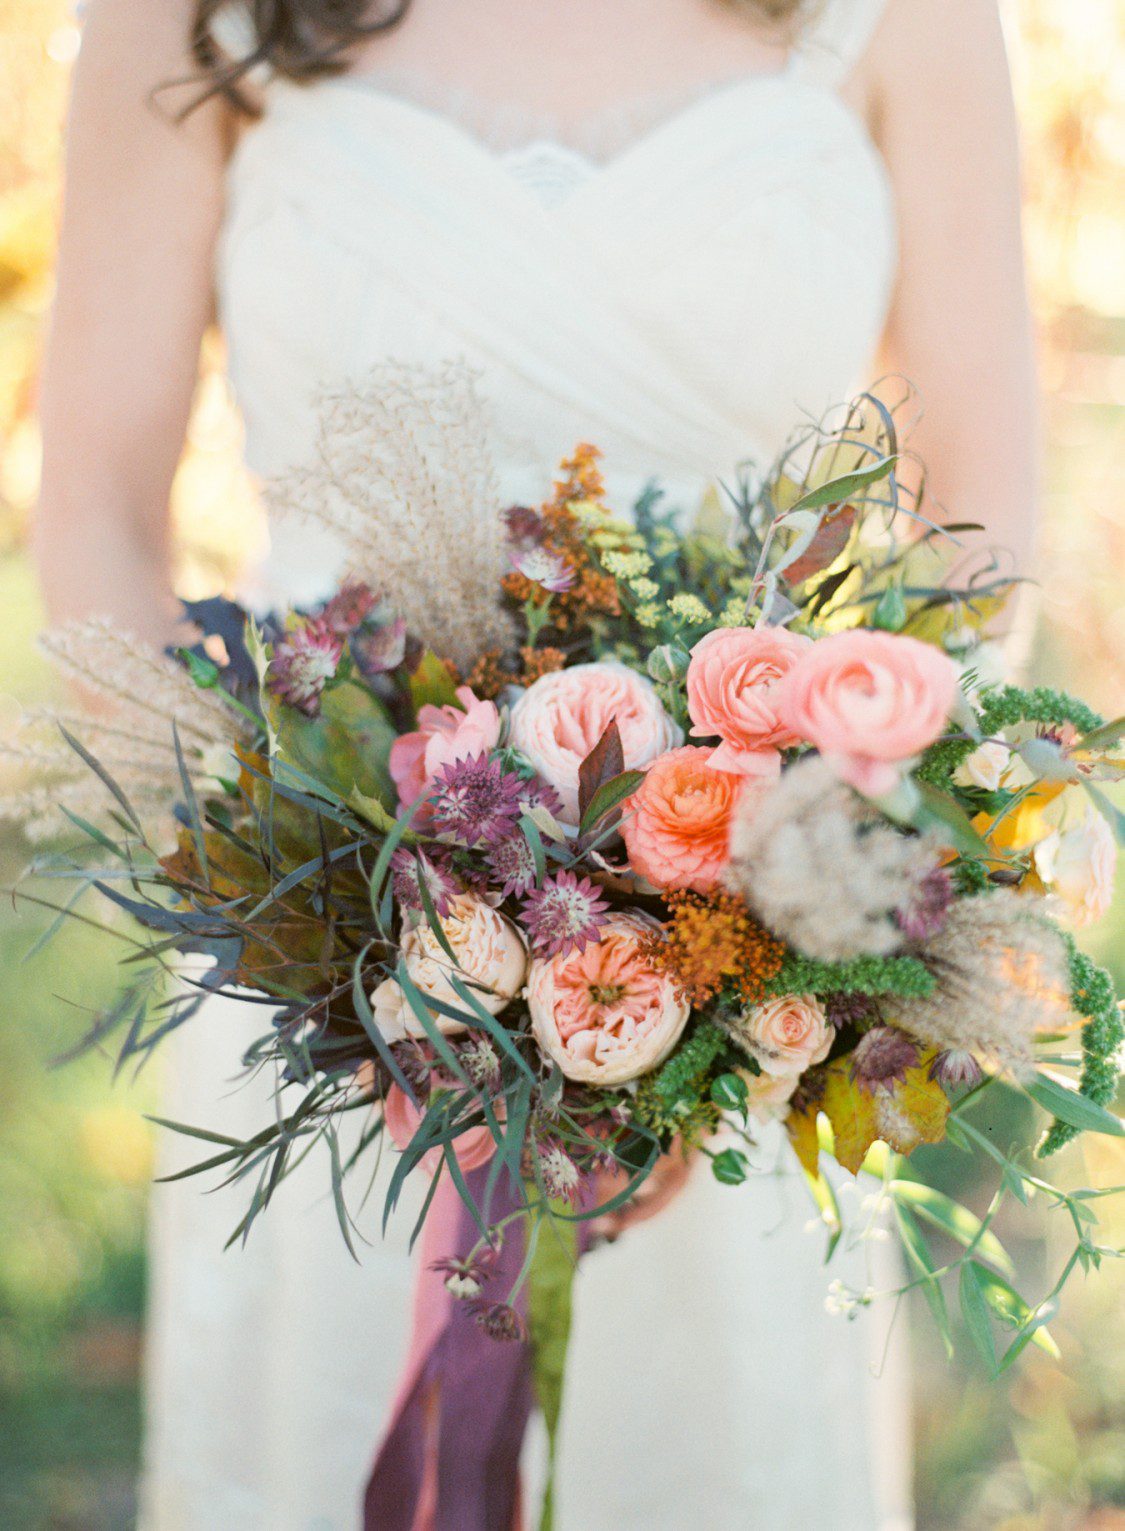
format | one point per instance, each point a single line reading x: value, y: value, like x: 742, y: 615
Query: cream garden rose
x: 769, y: 1095
x: 491, y: 952
x: 1078, y: 864
x: 603, y: 1014
x: 787, y: 1035
x: 559, y: 719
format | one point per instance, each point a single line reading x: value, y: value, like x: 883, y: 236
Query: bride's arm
x: 141, y: 209
x: 959, y: 327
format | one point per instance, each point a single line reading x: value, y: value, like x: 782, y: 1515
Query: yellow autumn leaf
x: 802, y: 1129
x: 852, y: 1112
x: 915, y: 1110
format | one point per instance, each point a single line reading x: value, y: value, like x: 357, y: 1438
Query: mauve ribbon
x: 450, y: 1457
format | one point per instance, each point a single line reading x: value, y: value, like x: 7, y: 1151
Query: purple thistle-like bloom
x: 411, y: 869
x: 565, y: 915
x: 513, y: 866
x: 476, y: 800
x: 562, y: 1179
x: 543, y: 567
x: 499, y: 1321
x: 955, y: 1067
x: 847, y: 1009
x: 465, y: 1279
x: 303, y: 662
x: 349, y: 608
x: 382, y: 650
x: 526, y: 527
x: 883, y: 1057
x: 537, y: 794
x: 924, y: 915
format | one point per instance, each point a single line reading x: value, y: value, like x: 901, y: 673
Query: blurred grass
x: 1043, y: 1451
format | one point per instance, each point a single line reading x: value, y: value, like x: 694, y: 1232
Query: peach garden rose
x: 603, y: 1014
x: 677, y: 823
x: 1078, y: 863
x: 559, y: 719
x: 869, y: 702
x: 491, y: 953
x: 787, y: 1035
x: 732, y: 690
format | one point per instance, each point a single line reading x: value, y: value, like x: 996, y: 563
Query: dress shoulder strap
x: 232, y: 28
x: 834, y: 38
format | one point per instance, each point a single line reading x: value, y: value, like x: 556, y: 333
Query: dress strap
x: 232, y: 29
x: 834, y: 38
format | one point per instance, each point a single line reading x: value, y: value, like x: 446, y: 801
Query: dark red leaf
x: 830, y: 541
x: 605, y: 761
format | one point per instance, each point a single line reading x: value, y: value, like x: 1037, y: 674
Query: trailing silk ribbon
x: 450, y: 1457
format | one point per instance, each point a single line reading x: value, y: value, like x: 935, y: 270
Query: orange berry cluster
x: 710, y: 940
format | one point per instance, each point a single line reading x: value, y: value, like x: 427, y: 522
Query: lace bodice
x: 683, y: 293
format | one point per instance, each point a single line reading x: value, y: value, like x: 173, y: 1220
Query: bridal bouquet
x: 558, y: 843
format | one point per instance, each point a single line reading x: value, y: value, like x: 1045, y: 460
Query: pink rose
x: 472, y: 1148
x: 787, y: 1035
x: 603, y: 1014
x: 868, y: 701
x: 491, y: 954
x: 558, y: 720
x: 732, y: 686
x: 444, y: 734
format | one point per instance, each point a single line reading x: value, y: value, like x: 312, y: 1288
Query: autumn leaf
x: 801, y: 1126
x: 852, y: 1111
x: 911, y: 1111
x: 605, y: 761
x: 829, y: 542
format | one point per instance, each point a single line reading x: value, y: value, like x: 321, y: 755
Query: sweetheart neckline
x: 364, y: 85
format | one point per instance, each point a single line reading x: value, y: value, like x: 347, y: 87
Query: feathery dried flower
x: 401, y: 468
x: 822, y: 869
x: 476, y: 800
x: 303, y: 663
x: 565, y: 915
x: 1002, y: 976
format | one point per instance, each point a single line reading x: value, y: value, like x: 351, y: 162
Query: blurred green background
x: 1042, y: 1451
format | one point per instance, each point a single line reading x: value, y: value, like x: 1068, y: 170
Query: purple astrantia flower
x: 480, y: 1061
x: 466, y: 1279
x: 526, y: 528
x: 304, y: 661
x: 543, y: 567
x: 883, y: 1057
x: 349, y: 608
x: 924, y: 915
x: 955, y: 1067
x: 844, y: 1009
x: 565, y: 915
x: 382, y: 650
x: 562, y: 1179
x: 512, y: 866
x: 411, y: 869
x: 537, y: 794
x: 499, y: 1321
x: 476, y: 800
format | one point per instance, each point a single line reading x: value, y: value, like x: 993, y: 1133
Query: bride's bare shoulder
x: 936, y: 55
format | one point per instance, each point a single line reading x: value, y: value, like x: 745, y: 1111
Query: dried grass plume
x: 404, y: 480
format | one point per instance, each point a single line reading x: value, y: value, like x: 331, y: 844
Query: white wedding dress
x: 683, y: 303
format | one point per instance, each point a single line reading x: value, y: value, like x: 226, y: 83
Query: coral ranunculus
x: 558, y: 720
x: 603, y: 1014
x: 444, y: 735
x: 732, y: 686
x: 869, y: 701
x: 677, y: 823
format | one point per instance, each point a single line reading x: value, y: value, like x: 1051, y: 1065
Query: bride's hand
x: 665, y: 1183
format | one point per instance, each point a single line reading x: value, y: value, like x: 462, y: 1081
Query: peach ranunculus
x: 787, y: 1035
x: 1078, y: 864
x: 492, y: 961
x: 603, y: 1014
x: 560, y: 717
x: 444, y: 734
x: 732, y: 692
x: 677, y: 823
x: 402, y: 1118
x: 869, y: 701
